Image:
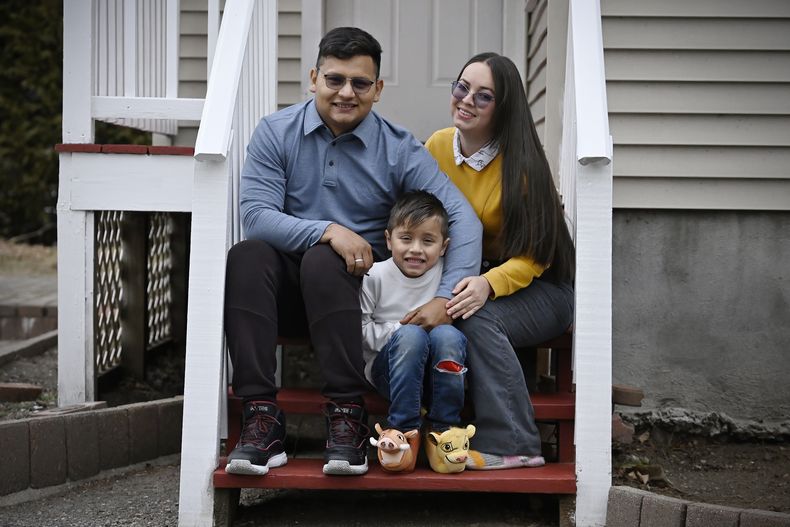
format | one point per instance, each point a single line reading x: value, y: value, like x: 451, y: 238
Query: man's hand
x: 351, y: 247
x: 429, y: 315
x: 471, y: 294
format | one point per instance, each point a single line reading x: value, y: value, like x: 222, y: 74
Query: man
x: 316, y: 191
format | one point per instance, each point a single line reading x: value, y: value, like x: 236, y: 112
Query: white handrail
x: 592, y: 119
x: 216, y: 124
x: 110, y: 108
x: 240, y: 91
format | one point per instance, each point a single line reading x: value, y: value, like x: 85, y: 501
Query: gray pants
x: 504, y: 417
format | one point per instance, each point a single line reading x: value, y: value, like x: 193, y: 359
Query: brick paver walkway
x: 39, y: 291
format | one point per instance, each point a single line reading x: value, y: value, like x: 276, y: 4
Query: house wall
x: 192, y: 66
x: 699, y: 101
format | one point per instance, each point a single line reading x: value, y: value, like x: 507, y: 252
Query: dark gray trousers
x: 504, y: 417
x: 270, y: 293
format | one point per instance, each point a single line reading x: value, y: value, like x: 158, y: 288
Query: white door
x: 425, y: 43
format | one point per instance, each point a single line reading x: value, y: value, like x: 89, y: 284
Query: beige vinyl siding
x: 289, y: 59
x: 192, y: 64
x: 699, y: 103
x: 537, y: 44
x: 192, y: 49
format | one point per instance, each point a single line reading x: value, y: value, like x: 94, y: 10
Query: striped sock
x: 481, y: 461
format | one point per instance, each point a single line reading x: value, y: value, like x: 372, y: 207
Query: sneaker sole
x: 338, y: 467
x: 244, y: 467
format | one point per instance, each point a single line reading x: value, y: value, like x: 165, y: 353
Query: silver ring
x: 359, y: 260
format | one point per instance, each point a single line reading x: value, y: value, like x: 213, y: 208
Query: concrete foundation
x: 701, y: 316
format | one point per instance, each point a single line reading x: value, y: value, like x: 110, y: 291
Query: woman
x: 524, y: 294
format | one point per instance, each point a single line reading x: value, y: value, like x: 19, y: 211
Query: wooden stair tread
x: 560, y: 406
x: 553, y: 478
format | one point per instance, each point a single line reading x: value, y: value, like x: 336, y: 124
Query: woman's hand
x: 428, y: 315
x: 351, y: 247
x: 471, y: 294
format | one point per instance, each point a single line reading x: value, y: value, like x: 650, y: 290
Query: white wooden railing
x: 120, y: 64
x: 103, y: 47
x: 135, y: 54
x: 586, y: 185
x: 114, y: 53
x: 241, y: 89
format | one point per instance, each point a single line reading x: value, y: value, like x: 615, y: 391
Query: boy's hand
x: 429, y: 315
x: 471, y: 294
x: 351, y: 247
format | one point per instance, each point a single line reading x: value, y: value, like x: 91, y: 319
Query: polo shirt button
x: 331, y: 163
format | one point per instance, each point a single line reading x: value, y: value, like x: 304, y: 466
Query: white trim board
x: 129, y: 182
x: 147, y: 108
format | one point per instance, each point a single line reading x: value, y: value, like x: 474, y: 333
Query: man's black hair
x: 347, y: 42
x: 416, y: 206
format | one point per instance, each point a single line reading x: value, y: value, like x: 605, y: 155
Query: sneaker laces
x: 343, y: 429
x: 257, y: 428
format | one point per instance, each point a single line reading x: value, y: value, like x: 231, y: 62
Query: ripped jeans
x: 419, y: 368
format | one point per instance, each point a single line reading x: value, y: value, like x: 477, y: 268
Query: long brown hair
x: 533, y: 223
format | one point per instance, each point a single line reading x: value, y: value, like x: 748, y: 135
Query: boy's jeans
x: 416, y: 362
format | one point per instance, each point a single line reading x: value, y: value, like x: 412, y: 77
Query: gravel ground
x: 149, y: 497
x: 141, y: 497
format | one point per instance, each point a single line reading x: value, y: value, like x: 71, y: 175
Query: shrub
x: 31, y: 72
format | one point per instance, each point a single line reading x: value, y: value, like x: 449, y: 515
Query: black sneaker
x: 347, y: 439
x: 260, y: 446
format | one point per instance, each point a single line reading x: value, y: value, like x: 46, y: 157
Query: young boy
x: 408, y: 365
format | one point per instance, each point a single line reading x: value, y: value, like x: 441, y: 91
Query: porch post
x: 76, y: 362
x: 593, y: 325
x: 75, y: 228
x: 78, y: 40
x: 205, y: 343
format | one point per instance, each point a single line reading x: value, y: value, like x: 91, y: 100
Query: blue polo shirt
x: 298, y: 178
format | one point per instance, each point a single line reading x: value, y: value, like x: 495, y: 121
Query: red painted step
x: 553, y: 478
x: 305, y: 473
x: 548, y: 407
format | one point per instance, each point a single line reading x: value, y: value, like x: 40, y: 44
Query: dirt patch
x: 164, y: 378
x: 41, y: 370
x: 718, y: 471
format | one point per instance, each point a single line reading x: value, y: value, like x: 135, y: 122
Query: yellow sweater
x: 484, y: 191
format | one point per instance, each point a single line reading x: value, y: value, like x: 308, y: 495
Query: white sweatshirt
x: 386, y: 296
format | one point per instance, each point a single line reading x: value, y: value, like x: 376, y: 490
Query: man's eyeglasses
x: 461, y: 90
x: 336, y: 82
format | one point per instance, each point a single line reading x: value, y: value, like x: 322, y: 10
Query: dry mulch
x: 719, y: 471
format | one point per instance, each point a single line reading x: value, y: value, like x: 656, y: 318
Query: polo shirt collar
x: 364, y: 130
x: 312, y: 121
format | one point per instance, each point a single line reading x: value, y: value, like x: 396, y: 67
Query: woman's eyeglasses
x: 461, y: 90
x: 336, y: 82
